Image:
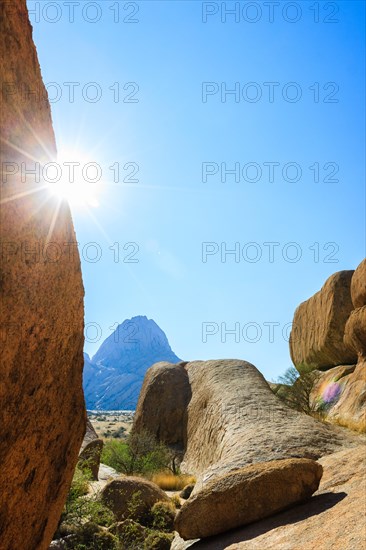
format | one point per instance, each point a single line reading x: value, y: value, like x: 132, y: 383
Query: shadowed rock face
x: 340, y: 394
x: 166, y: 417
x: 358, y: 285
x: 42, y: 418
x: 232, y: 419
x: 355, y: 333
x: 91, y: 450
x: 316, y: 339
x: 327, y: 329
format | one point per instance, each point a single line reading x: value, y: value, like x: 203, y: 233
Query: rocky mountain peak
x: 114, y: 376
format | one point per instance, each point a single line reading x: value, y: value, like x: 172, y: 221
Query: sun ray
x: 19, y: 150
x: 49, y: 154
x: 53, y: 222
x: 23, y: 194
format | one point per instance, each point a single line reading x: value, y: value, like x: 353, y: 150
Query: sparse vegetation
x: 85, y: 517
x: 140, y: 454
x: 176, y: 500
x: 131, y: 534
x: 87, y: 524
x: 162, y: 515
x: 115, y: 434
x: 111, y: 425
x: 294, y: 389
x: 157, y: 540
x: 81, y: 507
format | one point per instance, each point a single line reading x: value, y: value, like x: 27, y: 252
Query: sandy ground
x: 109, y: 424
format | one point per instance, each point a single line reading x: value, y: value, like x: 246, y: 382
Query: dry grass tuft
x: 353, y: 425
x: 175, y: 499
x: 170, y: 482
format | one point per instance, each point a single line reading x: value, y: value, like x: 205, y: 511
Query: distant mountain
x: 114, y: 376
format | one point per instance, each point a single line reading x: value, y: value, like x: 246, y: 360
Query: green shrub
x: 294, y: 389
x: 162, y: 516
x: 87, y: 532
x: 118, y: 433
x: 91, y: 536
x: 158, y: 541
x: 134, y: 506
x: 105, y: 541
x: 79, y: 485
x: 130, y: 534
x: 82, y: 512
x: 140, y: 453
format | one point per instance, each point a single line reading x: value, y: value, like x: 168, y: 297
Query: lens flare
x: 75, y: 178
x: 331, y: 392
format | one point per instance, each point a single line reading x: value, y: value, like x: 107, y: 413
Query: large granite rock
x: 355, y: 331
x: 166, y: 417
x: 317, y: 336
x: 90, y: 452
x: 233, y: 419
x: 328, y: 331
x: 42, y: 414
x: 131, y: 497
x: 247, y: 495
x: 333, y: 519
x: 358, y: 285
x: 340, y: 395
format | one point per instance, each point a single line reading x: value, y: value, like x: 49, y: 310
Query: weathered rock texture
x: 131, y: 497
x: 358, y: 285
x: 232, y: 419
x: 246, y: 495
x: 340, y: 394
x: 167, y: 417
x: 333, y: 519
x: 42, y: 418
x: 330, y: 334
x: 317, y: 336
x: 355, y: 332
x: 91, y: 450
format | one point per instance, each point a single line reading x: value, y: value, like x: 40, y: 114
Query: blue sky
x: 168, y: 132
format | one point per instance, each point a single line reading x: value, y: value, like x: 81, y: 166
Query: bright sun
x: 76, y: 179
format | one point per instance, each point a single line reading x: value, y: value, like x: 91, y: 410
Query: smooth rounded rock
x: 316, y: 340
x: 247, y: 495
x: 358, y: 285
x: 131, y: 497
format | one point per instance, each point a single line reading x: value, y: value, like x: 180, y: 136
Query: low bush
x: 83, y: 514
x: 158, y: 541
x: 294, y: 389
x: 130, y: 534
x: 140, y: 454
x: 88, y: 524
x: 163, y: 515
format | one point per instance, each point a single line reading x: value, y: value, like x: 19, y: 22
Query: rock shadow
x: 316, y: 505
